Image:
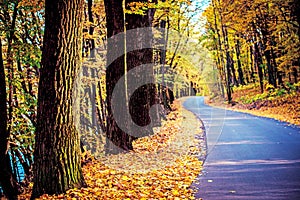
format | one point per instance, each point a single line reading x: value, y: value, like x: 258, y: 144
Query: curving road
x: 248, y: 157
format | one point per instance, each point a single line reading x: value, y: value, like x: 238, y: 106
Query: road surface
x: 248, y: 157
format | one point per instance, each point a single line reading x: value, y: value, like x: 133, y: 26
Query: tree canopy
x: 71, y: 74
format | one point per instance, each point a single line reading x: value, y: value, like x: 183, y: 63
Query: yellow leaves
x: 136, y: 8
x: 167, y: 181
x: 125, y: 178
x: 175, y: 192
x: 159, y: 140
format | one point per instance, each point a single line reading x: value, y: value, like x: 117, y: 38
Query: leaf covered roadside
x: 161, y: 166
x: 277, y: 103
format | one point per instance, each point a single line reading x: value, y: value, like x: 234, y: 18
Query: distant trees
x: 130, y: 18
x: 21, y: 27
x: 178, y: 21
x: 260, y: 38
x: 57, y: 160
x: 7, y: 180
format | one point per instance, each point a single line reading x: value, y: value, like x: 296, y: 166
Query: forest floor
x: 281, y: 104
x: 161, y: 166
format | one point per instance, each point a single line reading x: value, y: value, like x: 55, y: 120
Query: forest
x: 84, y: 80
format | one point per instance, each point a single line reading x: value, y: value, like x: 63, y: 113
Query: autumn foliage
x: 161, y: 166
x: 280, y: 104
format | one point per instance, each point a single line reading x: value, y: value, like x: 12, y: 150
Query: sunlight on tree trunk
x: 57, y: 162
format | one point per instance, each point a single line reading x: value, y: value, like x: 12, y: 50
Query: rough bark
x: 57, y: 165
x: 116, y: 71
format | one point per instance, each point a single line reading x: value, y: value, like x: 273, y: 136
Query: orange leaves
x: 161, y: 166
x: 104, y: 183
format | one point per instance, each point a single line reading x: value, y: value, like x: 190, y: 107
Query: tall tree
x: 117, y: 139
x: 57, y: 165
x: 145, y: 96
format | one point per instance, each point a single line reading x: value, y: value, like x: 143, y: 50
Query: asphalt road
x: 248, y: 157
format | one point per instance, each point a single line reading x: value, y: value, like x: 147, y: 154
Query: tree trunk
x: 280, y: 78
x: 271, y: 73
x: 57, y: 165
x: 258, y: 58
x: 275, y: 67
x: 240, y: 70
x: 145, y: 96
x: 117, y: 139
x: 7, y: 181
x: 220, y: 56
x: 295, y: 74
x: 252, y: 64
x: 229, y: 64
x: 91, y: 31
x: 229, y: 92
x: 163, y: 53
x: 229, y: 59
x: 295, y: 10
x: 258, y: 63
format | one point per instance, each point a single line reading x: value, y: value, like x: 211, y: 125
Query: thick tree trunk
x: 120, y: 136
x: 57, y: 165
x: 117, y: 139
x: 145, y: 96
x: 7, y: 180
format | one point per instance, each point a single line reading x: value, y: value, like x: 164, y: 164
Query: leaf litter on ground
x: 161, y: 166
x: 283, y: 108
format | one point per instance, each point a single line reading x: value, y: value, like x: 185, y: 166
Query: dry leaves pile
x: 162, y: 166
